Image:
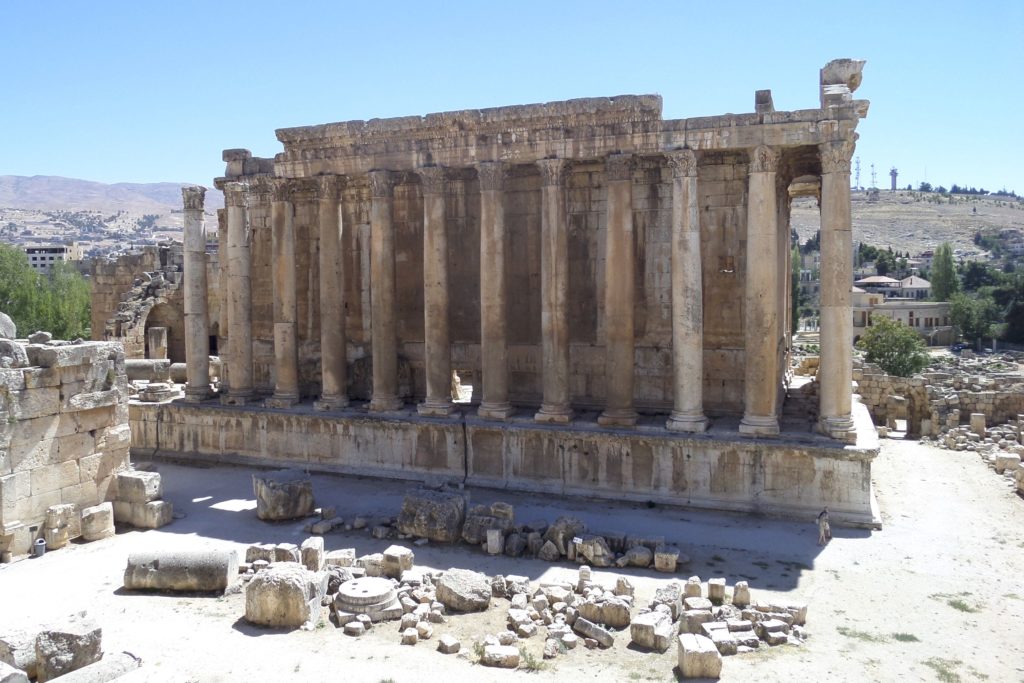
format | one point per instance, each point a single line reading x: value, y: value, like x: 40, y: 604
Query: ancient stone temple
x: 611, y: 286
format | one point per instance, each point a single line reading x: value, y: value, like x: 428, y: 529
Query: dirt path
x: 935, y: 595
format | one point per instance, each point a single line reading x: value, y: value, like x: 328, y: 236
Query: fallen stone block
x: 652, y: 631
x: 482, y: 518
x: 692, y: 589
x: 588, y: 629
x: 285, y: 594
x: 501, y: 656
x: 111, y: 667
x: 18, y: 649
x: 183, y: 570
x: 9, y: 674
x: 283, y: 494
x: 397, y: 559
x: 741, y: 594
x: 670, y: 595
x: 287, y: 552
x: 724, y: 641
x: 666, y: 559
x: 437, y: 515
x: 552, y: 648
x: 345, y: 557
x: 698, y: 657
x: 134, y: 486
x: 464, y: 590
x: 637, y: 556
x: 693, y: 619
x: 716, y: 590
x: 151, y: 515
x: 67, y: 647
x: 1007, y: 461
x: 549, y: 552
x: 312, y: 552
x: 448, y: 644
x: 594, y: 549
x: 410, y: 636
x: 98, y: 522
x: 562, y: 531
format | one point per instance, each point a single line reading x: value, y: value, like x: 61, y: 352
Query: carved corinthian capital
x: 281, y: 190
x: 835, y: 156
x: 552, y: 171
x: 491, y: 175
x: 431, y: 179
x: 619, y: 166
x: 329, y: 186
x: 764, y: 159
x: 234, y: 194
x: 381, y: 183
x: 683, y: 162
x: 193, y: 197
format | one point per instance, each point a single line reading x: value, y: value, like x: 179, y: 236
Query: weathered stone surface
x: 111, y: 667
x: 464, y: 590
x: 448, y: 644
x: 741, y: 594
x: 716, y: 590
x: 670, y: 595
x: 9, y: 674
x: 344, y: 557
x: 397, y: 559
x: 182, y: 570
x: 285, y: 594
x: 594, y: 549
x: 67, y: 647
x: 312, y: 552
x: 481, y: 518
x: 548, y: 552
x: 562, y: 531
x: 437, y: 515
x: 98, y: 522
x: 501, y: 656
x: 284, y: 494
x: 693, y: 619
x: 637, y: 556
x: 18, y: 649
x: 8, y: 330
x: 588, y: 629
x: 698, y: 657
x: 652, y: 630
x: 134, y: 486
x: 410, y: 636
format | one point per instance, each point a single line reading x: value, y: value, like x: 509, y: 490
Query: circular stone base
x: 366, y: 594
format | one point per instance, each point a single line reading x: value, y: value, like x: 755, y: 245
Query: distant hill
x: 50, y: 193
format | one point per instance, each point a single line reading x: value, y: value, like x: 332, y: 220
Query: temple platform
x: 793, y: 475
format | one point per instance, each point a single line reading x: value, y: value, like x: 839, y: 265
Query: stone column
x: 619, y: 289
x: 835, y: 374
x: 382, y: 295
x: 238, y: 298
x: 333, y: 341
x: 197, y: 328
x: 761, y: 319
x: 554, y: 283
x: 436, y: 347
x: 493, y: 293
x: 286, y: 352
x: 687, y: 298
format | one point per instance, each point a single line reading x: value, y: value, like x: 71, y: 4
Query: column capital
x: 683, y: 162
x: 552, y: 171
x: 764, y: 159
x: 329, y: 186
x: 381, y: 183
x: 431, y: 179
x: 619, y: 166
x: 281, y: 190
x: 836, y: 155
x: 193, y: 196
x: 491, y: 175
x: 234, y: 194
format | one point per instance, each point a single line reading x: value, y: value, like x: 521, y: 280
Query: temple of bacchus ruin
x: 614, y: 287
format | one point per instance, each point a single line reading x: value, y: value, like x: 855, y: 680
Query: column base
x: 759, y: 425
x: 618, y: 417
x: 435, y: 408
x: 281, y: 401
x: 331, y: 403
x: 197, y: 394
x: 386, y: 404
x: 496, y: 411
x: 554, y: 414
x: 232, y: 399
x: 684, y: 422
x: 839, y: 428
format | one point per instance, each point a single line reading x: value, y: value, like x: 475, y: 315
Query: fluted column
x: 687, y: 298
x: 238, y: 298
x: 436, y: 347
x: 197, y: 328
x: 619, y: 290
x: 333, y: 341
x: 554, y: 281
x: 286, y: 351
x: 835, y: 375
x: 382, y: 295
x: 493, y: 293
x: 761, y: 320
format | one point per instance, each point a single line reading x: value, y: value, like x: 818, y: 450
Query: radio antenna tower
x: 873, y: 183
x: 857, y: 173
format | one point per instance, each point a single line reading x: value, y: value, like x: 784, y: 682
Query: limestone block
x: 437, y: 515
x: 549, y: 552
x: 312, y: 551
x: 134, y: 486
x: 562, y: 531
x: 652, y: 630
x: 637, y: 556
x: 697, y: 603
x: 464, y: 590
x: 182, y: 570
x: 283, y: 494
x: 978, y: 423
x: 410, y: 636
x: 741, y: 594
x: 9, y: 674
x: 693, y: 620
x: 354, y: 628
x: 344, y: 557
x: 594, y: 549
x: 481, y: 518
x: 692, y: 589
x: 151, y: 515
x: 260, y: 551
x: 716, y: 590
x: 8, y: 330
x: 698, y: 657
x: 671, y: 596
x: 588, y: 629
x: 501, y: 656
x: 56, y: 538
x: 448, y: 644
x: 1007, y: 461
x: 495, y: 542
x: 111, y: 667
x: 18, y: 649
x: 724, y: 641
x: 61, y: 649
x: 285, y: 594
x: 397, y: 559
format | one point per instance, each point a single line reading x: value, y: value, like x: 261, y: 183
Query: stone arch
x: 164, y: 314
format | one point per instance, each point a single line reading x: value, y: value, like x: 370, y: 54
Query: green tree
x: 69, y: 302
x: 58, y: 302
x: 885, y: 263
x: 974, y: 316
x: 894, y: 347
x: 944, y: 281
x: 974, y: 275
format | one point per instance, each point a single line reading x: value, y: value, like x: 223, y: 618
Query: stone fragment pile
x: 1000, y: 447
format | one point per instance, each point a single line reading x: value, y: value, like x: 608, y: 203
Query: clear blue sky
x: 153, y: 91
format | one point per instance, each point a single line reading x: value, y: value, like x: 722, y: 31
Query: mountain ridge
x: 45, y: 192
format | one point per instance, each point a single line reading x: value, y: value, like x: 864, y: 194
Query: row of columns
x: 762, y: 323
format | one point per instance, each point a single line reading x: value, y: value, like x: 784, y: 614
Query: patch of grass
x: 718, y: 558
x: 906, y: 637
x: 762, y: 565
x: 944, y: 669
x: 529, y: 662
x: 478, y: 650
x: 1012, y: 596
x: 961, y: 605
x: 860, y: 635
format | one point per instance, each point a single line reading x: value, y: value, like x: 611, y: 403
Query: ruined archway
x: 170, y: 317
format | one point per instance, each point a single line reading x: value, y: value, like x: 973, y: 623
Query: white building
x: 42, y: 256
x: 930, y: 319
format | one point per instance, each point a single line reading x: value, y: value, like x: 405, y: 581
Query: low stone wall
x: 63, y: 431
x: 794, y: 476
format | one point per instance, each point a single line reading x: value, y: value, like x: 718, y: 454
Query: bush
x: 894, y: 347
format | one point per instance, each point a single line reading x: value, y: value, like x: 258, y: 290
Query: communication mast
x: 892, y: 174
x: 857, y: 173
x: 874, y: 180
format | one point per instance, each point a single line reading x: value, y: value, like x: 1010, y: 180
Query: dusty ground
x: 935, y: 595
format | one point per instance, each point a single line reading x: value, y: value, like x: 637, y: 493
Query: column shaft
x: 619, y: 292
x: 687, y: 299
x: 436, y: 347
x: 197, y: 329
x: 382, y: 295
x: 333, y: 342
x: 493, y: 294
x: 554, y: 275
x: 238, y: 299
x: 835, y: 374
x: 761, y: 319
x: 286, y: 353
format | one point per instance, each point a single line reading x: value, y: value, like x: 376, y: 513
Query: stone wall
x: 63, y: 431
